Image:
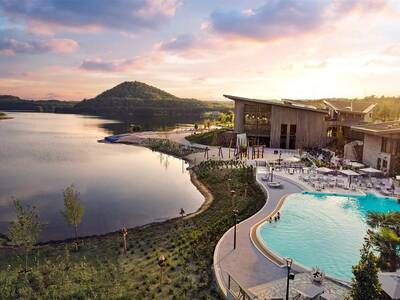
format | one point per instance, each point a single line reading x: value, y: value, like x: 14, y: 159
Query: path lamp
x: 272, y: 174
x: 233, y: 193
x: 290, y: 276
x: 161, y: 263
x: 235, y: 214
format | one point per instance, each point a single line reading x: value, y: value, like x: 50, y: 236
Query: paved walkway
x: 247, y: 264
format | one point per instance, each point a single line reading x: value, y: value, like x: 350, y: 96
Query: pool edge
x: 271, y: 255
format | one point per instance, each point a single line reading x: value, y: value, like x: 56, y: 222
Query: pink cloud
x: 281, y: 19
x: 121, y: 65
x: 48, y: 16
x: 62, y: 45
x: 59, y: 46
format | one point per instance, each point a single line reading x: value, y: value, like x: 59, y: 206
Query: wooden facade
x: 280, y: 125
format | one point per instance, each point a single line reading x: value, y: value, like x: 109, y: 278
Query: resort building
x: 280, y: 124
x: 381, y: 149
x: 346, y: 113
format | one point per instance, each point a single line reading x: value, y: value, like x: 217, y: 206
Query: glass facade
x: 257, y: 120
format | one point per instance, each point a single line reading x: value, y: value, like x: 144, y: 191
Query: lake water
x: 120, y: 185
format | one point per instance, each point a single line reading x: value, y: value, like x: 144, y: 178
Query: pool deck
x: 247, y: 264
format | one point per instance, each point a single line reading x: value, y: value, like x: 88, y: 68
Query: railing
x: 236, y: 292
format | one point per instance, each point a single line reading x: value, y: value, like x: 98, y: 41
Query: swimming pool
x: 324, y: 230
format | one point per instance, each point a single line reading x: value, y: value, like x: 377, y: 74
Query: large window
x: 283, y: 136
x: 385, y: 145
x: 292, y: 137
x: 257, y: 120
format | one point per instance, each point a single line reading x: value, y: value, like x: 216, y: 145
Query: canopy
x: 390, y: 282
x: 349, y: 173
x: 371, y: 171
x: 355, y: 164
x: 292, y: 159
x: 324, y: 170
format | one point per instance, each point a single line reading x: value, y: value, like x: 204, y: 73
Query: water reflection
x: 120, y: 185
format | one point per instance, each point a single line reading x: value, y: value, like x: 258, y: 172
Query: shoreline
x: 201, y: 187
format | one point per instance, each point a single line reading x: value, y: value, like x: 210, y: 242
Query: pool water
x: 324, y: 230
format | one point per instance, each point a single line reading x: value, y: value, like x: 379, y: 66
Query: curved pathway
x: 246, y: 264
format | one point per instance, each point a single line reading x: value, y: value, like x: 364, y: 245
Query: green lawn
x: 211, y: 138
x: 101, y: 270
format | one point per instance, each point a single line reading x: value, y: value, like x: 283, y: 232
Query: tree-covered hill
x: 137, y: 98
x: 13, y: 103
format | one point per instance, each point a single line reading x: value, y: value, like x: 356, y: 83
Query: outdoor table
x: 310, y: 291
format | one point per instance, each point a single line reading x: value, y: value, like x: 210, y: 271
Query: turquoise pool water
x: 324, y: 230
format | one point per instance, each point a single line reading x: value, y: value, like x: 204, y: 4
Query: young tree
x: 365, y: 281
x: 73, y: 210
x: 24, y: 231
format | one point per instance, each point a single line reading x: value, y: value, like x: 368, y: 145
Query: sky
x: 269, y: 49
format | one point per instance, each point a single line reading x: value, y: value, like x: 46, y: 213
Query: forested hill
x: 13, y: 103
x: 137, y: 98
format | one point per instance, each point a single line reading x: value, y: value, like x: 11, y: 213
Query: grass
x: 210, y: 138
x: 171, y: 148
x: 101, y: 269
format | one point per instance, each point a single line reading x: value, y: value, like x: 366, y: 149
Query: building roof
x: 351, y: 106
x: 379, y: 128
x: 390, y: 284
x: 288, y: 104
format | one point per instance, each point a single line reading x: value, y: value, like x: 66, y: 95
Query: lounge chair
x: 274, y: 184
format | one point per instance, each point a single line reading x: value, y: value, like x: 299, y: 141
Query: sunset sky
x: 75, y: 49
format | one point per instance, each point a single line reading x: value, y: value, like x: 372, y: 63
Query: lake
x: 121, y: 185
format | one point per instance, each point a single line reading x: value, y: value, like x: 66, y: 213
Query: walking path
x: 246, y: 264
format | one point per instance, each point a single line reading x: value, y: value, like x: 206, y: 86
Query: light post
x: 235, y: 213
x: 233, y: 193
x: 272, y: 173
x: 161, y: 263
x: 290, y: 276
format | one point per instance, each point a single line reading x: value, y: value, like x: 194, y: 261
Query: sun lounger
x: 274, y: 184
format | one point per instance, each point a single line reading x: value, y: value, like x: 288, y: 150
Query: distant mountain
x: 122, y: 101
x: 13, y: 103
x: 137, y: 98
